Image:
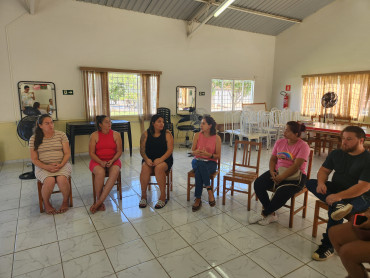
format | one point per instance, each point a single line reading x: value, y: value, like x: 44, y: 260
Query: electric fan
x: 328, y: 100
x: 25, y: 131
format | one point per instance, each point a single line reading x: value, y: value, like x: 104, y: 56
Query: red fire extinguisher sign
x: 287, y: 88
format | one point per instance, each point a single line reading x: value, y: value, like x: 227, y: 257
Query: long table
x: 333, y: 129
x: 86, y: 128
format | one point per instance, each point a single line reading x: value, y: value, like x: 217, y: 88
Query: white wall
x: 63, y: 35
x: 335, y: 39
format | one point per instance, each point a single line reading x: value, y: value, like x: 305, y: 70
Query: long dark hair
x: 212, y: 122
x: 296, y: 127
x: 152, y: 121
x: 37, y: 131
x: 99, y: 120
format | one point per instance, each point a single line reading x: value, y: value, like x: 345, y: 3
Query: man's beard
x: 352, y: 149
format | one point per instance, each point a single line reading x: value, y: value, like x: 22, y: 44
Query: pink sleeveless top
x: 207, y: 143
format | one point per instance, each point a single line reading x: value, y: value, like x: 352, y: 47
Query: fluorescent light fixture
x: 223, y: 7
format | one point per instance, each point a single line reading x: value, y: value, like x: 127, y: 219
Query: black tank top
x: 156, y: 147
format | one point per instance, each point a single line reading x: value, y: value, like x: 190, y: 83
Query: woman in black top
x: 156, y: 147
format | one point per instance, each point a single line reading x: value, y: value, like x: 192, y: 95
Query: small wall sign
x: 287, y: 88
x: 67, y: 92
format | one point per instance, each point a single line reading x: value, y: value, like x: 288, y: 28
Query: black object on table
x: 86, y: 128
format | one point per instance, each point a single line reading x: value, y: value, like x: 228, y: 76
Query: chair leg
x: 171, y: 180
x: 224, y: 192
x: 218, y: 184
x: 168, y: 185
x: 232, y: 188
x: 315, y: 220
x: 41, y: 202
x: 305, y: 204
x: 93, y: 182
x: 119, y: 186
x: 70, y: 193
x: 291, y: 216
x: 249, y: 198
x: 188, y: 189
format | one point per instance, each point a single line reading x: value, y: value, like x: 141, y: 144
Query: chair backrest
x: 246, y: 159
x: 342, y: 120
x: 309, y: 165
x: 165, y: 113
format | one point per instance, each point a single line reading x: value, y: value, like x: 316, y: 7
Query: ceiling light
x: 223, y: 7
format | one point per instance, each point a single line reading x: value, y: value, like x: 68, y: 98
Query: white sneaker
x: 268, y: 219
x: 340, y: 211
x: 254, y: 218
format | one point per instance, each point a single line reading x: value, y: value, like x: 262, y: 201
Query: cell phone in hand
x: 359, y: 219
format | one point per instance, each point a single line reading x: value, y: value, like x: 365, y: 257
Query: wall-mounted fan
x: 25, y: 131
x: 328, y: 100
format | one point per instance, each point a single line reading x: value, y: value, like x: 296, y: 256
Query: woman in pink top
x: 105, y: 149
x: 292, y: 153
x: 207, y: 150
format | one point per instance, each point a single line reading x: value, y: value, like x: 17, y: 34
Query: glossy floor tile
x: 125, y: 241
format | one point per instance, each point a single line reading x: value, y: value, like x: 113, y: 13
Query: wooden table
x: 86, y: 128
x: 332, y: 129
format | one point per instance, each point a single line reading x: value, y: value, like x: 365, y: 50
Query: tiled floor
x: 125, y: 241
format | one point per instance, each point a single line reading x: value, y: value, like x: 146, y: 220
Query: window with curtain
x: 229, y: 95
x: 125, y: 94
x: 352, y: 90
x: 116, y: 92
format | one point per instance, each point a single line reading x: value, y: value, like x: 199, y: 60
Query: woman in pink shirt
x: 207, y: 150
x: 287, y: 173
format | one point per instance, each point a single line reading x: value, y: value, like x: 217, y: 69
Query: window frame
x: 233, y: 103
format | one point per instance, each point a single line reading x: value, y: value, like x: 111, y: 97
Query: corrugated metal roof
x: 233, y: 19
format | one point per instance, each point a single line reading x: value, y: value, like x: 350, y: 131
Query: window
x: 125, y: 94
x: 352, y: 90
x: 229, y: 95
x: 119, y: 92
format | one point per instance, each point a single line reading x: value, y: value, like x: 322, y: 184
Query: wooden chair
x: 318, y: 140
x: 317, y: 219
x: 342, y: 120
x: 304, y: 191
x: 118, y: 183
x: 191, y: 174
x: 367, y: 146
x: 41, y: 201
x: 169, y: 182
x: 244, y: 171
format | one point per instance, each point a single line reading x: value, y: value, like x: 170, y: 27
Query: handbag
x: 294, y: 177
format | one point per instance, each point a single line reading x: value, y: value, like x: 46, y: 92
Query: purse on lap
x: 294, y: 177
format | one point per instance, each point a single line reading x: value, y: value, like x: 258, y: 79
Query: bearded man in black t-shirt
x: 349, y: 190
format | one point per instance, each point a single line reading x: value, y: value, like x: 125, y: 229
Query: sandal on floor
x: 211, y: 203
x: 143, y: 203
x: 160, y: 204
x: 196, y: 208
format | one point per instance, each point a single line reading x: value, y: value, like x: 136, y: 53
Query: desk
x: 332, y: 129
x: 86, y: 128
